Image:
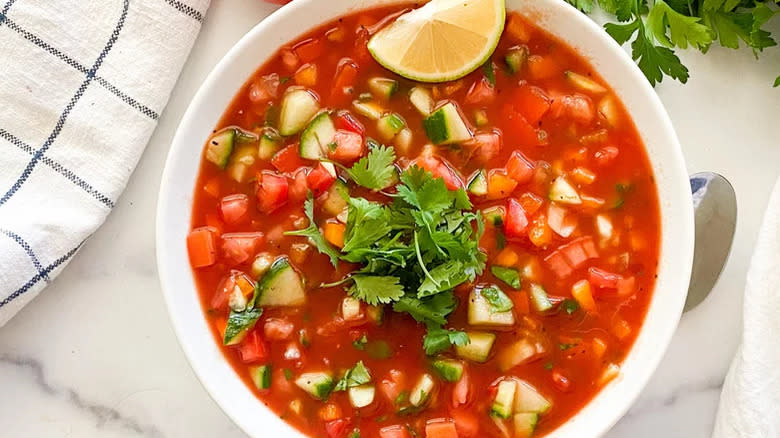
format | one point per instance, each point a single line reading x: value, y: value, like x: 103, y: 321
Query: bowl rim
x: 623, y: 393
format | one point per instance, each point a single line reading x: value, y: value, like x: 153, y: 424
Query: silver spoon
x: 715, y: 215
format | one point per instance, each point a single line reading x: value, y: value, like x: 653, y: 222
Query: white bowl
x: 176, y: 194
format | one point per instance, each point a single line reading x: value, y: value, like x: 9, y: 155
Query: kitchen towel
x: 750, y: 400
x: 82, y: 86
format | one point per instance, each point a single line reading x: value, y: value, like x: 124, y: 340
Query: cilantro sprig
x: 657, y: 27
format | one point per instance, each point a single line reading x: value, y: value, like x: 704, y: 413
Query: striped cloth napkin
x: 82, y: 85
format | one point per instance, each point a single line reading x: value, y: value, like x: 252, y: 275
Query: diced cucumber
x: 516, y: 354
x: 422, y: 390
x: 372, y: 110
x: 270, y: 144
x: 448, y: 369
x: 584, y: 83
x: 446, y: 126
x: 241, y: 161
x: 480, y: 312
x: 528, y: 399
x: 562, y: 191
x: 261, y: 376
x: 390, y: 125
x: 422, y: 100
x: 376, y: 314
x: 604, y: 226
x: 480, y: 118
x: 505, y: 396
x: 494, y: 215
x: 350, y: 309
x: 361, y: 396
x: 280, y: 286
x: 220, y: 146
x: 261, y: 264
x: 298, y: 107
x: 539, y: 298
x: 608, y: 108
x: 239, y: 324
x: 403, y: 141
x: 525, y: 424
x: 317, y: 384
x: 316, y: 137
x: 516, y: 57
x: 478, y: 183
x: 338, y: 193
x: 478, y: 348
x: 383, y: 87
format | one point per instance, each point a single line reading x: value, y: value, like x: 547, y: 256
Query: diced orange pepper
x: 330, y: 412
x: 621, y: 329
x: 583, y: 175
x: 507, y: 257
x: 540, y: 233
x: 440, y: 428
x: 500, y: 185
x: 592, y: 202
x: 581, y: 291
x: 542, y: 67
x: 310, y: 49
x: 202, y: 247
x: 336, y: 35
x: 516, y: 28
x: 212, y: 187
x: 530, y: 202
x: 306, y: 75
x: 599, y: 347
x: 334, y: 233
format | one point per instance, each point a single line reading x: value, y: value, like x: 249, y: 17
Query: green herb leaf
x: 683, y: 30
x: 313, y: 233
x: 356, y: 376
x: 489, y: 70
x: 585, y: 6
x: 497, y: 299
x: 570, y: 306
x: 240, y: 322
x: 375, y: 171
x: 376, y: 290
x: 509, y: 276
x: 431, y: 309
x: 288, y: 375
x: 438, y: 339
x: 360, y: 344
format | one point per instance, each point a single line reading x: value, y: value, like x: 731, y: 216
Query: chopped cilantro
x: 509, y: 276
x: 360, y: 344
x: 313, y: 233
x: 438, y: 339
x: 570, y: 306
x: 548, y: 366
x: 356, y: 376
x: 565, y: 347
x: 375, y: 171
x: 497, y: 299
x: 288, y: 375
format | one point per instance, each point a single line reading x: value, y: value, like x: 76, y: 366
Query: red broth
x: 598, y: 279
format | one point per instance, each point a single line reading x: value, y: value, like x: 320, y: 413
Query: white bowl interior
x: 216, y: 93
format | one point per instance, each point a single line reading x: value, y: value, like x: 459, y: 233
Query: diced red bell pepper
x: 601, y: 278
x: 202, y: 246
x: 344, y: 80
x: 531, y: 102
x: 530, y: 202
x: 349, y: 146
x: 319, y: 180
x: 288, y: 159
x: 346, y: 121
x: 516, y: 222
x: 271, y: 191
x: 480, y: 93
x: 394, y: 431
x: 234, y: 208
x: 310, y: 49
x: 516, y: 129
x: 440, y: 169
x: 252, y: 348
x: 338, y: 428
x: 519, y: 168
x: 240, y: 247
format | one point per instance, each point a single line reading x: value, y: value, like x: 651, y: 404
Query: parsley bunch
x: 659, y: 26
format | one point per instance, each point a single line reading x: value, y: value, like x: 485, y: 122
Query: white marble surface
x: 95, y: 355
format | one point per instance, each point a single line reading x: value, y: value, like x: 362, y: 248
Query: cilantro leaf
x: 438, y: 339
x: 585, y: 6
x: 375, y: 171
x: 432, y: 309
x: 443, y: 277
x: 509, y: 276
x: 497, y: 299
x: 683, y: 30
x: 777, y: 82
x: 376, y: 290
x: 366, y: 223
x: 313, y: 233
x: 421, y: 190
x: 570, y: 306
x: 356, y: 376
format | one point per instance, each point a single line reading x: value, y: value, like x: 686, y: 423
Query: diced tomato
x: 516, y: 220
x: 606, y: 155
x: 234, y: 208
x: 224, y: 289
x: 252, y: 348
x: 338, y: 428
x: 278, y: 329
x: 361, y: 45
x: 345, y: 120
x: 319, y: 180
x: 480, y: 93
x: 519, y: 168
x: 212, y: 187
x: 487, y: 146
x: 557, y: 263
x: 344, y: 80
x: 542, y: 67
x: 288, y: 159
x: 579, y: 251
x: 522, y: 303
x: 310, y: 49
x: 392, y: 385
x: 462, y: 390
x: 575, y: 106
x: 213, y: 220
x: 517, y: 129
x: 240, y: 247
x: 500, y: 185
x: 289, y: 59
x: 440, y: 169
x: 349, y: 146
x: 531, y: 203
x: 466, y: 423
x: 601, y: 278
x: 297, y: 187
x: 271, y: 191
x: 561, y: 381
x: 394, y: 431
x: 264, y: 88
x: 202, y: 246
x: 440, y: 428
x: 626, y: 286
x: 531, y: 102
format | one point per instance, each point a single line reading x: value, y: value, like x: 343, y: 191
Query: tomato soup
x: 385, y: 258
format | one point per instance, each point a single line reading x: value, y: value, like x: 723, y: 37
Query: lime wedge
x: 441, y: 41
